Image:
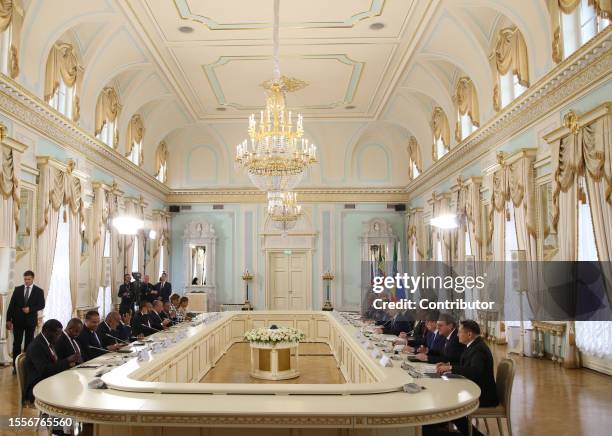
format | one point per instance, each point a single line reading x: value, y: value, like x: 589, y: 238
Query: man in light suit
x: 22, y: 313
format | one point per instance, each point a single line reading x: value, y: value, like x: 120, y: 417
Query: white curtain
x: 58, y: 302
x: 98, y: 231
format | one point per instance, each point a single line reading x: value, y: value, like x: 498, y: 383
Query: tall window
x: 63, y: 98
x: 161, y: 162
x: 414, y: 158
x: 5, y: 50
x: 441, y: 133
x: 511, y: 66
x: 104, y: 300
x: 62, y: 76
x: 162, y: 253
x: 440, y: 148
x: 58, y: 305
x: 134, y: 155
x: 467, y: 127
x: 107, y: 111
x: 468, y: 112
x: 510, y: 88
x: 135, y: 136
x: 579, y: 26
x: 135, y: 257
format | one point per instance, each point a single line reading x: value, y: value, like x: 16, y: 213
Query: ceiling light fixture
x: 185, y: 29
x: 377, y: 26
x: 276, y: 155
x: 445, y: 222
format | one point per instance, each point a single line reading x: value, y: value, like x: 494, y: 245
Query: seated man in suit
x: 89, y: 341
x: 164, y: 287
x: 124, y: 328
x: 476, y: 363
x: 141, y: 323
x: 397, y: 324
x: 66, y: 345
x: 157, y: 322
x: 165, y: 313
x: 126, y: 293
x: 451, y: 350
x: 430, y: 340
x: 41, y: 360
x: 107, y: 331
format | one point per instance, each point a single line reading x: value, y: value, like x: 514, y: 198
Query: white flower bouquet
x: 266, y: 335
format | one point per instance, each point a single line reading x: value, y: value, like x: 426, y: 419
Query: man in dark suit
x: 155, y: 317
x: 452, y: 349
x: 107, y: 331
x: 476, y: 364
x: 124, y: 329
x: 126, y: 294
x: 41, y: 359
x: 22, y: 313
x: 89, y: 341
x: 398, y: 323
x: 66, y: 345
x: 164, y: 287
x: 148, y: 290
x: 141, y: 323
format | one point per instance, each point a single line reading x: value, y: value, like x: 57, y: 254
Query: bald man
x: 107, y: 332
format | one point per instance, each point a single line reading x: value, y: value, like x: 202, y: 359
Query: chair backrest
x: 20, y: 368
x: 504, y: 381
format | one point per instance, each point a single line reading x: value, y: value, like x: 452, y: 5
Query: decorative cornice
x: 24, y: 107
x: 307, y: 195
x: 572, y: 122
x: 587, y: 67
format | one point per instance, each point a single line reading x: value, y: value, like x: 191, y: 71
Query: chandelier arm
x: 276, y: 43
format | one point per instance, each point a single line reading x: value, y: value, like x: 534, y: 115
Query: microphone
x: 98, y: 348
x: 120, y: 340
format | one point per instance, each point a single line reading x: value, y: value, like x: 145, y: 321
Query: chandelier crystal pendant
x: 276, y: 155
x: 283, y: 209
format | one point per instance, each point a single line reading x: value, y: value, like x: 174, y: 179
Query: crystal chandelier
x: 283, y: 210
x: 277, y: 154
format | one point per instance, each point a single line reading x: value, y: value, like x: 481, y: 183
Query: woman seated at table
x: 181, y: 310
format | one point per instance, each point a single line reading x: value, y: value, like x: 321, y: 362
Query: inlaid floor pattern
x: 316, y: 364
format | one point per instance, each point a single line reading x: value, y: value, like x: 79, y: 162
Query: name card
x: 385, y: 361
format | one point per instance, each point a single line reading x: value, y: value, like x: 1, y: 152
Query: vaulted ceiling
x: 193, y: 69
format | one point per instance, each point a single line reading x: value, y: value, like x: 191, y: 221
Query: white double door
x: 289, y: 281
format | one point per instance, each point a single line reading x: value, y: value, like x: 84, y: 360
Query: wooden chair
x: 503, y: 381
x: 20, y: 369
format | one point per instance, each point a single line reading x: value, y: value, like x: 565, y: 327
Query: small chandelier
x: 277, y: 154
x: 283, y: 210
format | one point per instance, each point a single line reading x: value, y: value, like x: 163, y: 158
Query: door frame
x: 308, y: 254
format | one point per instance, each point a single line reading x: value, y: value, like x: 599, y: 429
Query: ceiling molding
x: 25, y: 108
x: 375, y: 10
x: 306, y: 195
x: 586, y: 68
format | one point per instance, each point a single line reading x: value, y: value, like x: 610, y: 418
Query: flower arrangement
x: 266, y: 335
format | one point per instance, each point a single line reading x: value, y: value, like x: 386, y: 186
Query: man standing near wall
x: 22, y: 313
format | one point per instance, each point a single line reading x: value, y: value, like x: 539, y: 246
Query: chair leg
x: 486, y: 425
x: 499, y: 427
x: 509, y: 425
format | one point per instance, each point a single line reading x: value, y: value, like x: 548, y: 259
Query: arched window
x: 58, y: 299
x: 161, y: 162
x: 415, y: 162
x: 135, y: 137
x: 511, y: 67
x: 11, y: 19
x: 468, y: 117
x: 107, y: 112
x: 62, y: 80
x: 577, y: 22
x: 441, y: 133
